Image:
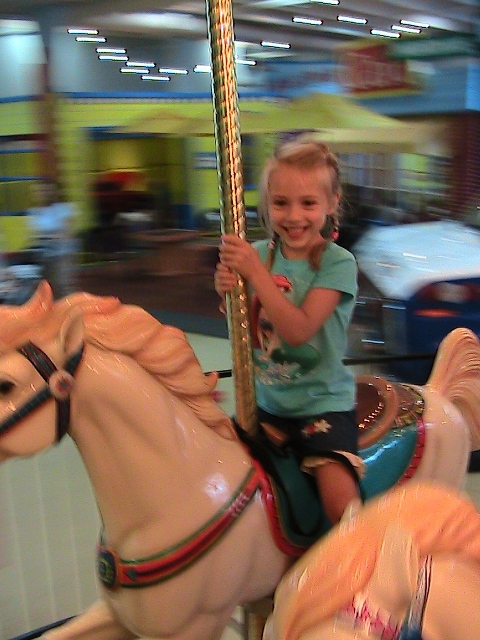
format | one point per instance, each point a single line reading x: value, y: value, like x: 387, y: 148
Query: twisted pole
x: 232, y: 206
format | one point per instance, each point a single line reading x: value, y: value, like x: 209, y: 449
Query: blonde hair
x: 306, y: 152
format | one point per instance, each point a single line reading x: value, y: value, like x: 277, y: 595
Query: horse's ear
x: 395, y: 575
x: 72, y: 334
x: 44, y: 292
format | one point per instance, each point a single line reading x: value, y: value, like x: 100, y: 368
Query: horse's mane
x: 160, y: 349
x: 456, y: 374
x: 341, y: 564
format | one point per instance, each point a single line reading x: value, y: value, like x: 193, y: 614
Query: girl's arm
x: 295, y: 325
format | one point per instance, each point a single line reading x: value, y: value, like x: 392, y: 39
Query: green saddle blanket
x: 299, y: 509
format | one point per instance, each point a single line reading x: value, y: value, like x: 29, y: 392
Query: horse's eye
x: 5, y: 387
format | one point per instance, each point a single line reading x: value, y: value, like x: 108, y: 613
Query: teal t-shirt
x: 310, y: 379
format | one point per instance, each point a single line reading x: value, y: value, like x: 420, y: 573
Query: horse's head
x: 407, y: 598
x: 361, y: 580
x: 381, y: 609
x: 36, y: 379
x: 30, y: 374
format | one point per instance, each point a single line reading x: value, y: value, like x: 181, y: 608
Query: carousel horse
x: 406, y: 567
x: 190, y: 520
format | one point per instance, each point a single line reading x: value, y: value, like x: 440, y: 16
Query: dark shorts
x: 330, y: 432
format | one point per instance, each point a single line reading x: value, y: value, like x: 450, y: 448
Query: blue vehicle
x: 427, y: 282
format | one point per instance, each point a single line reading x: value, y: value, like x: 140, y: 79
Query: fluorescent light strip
x: 110, y: 56
x: 400, y: 27
x: 181, y: 72
x: 384, y: 34
x: 312, y: 21
x: 275, y: 45
x: 90, y: 39
x: 134, y: 70
x: 145, y: 65
x: 411, y: 23
x: 352, y: 19
x: 156, y: 78
x: 202, y: 68
x: 247, y: 63
x: 110, y: 50
x: 83, y: 32
x: 326, y: 1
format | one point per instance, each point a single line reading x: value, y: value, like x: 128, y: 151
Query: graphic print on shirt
x: 275, y: 361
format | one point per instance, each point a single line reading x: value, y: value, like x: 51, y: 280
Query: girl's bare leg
x: 336, y: 487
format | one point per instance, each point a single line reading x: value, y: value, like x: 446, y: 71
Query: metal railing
x: 355, y: 361
x: 31, y: 635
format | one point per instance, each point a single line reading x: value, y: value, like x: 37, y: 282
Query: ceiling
x: 254, y: 20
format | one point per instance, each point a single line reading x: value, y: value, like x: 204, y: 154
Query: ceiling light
x: 110, y: 50
x: 83, y: 32
x: 411, y: 23
x: 90, y: 39
x: 146, y: 65
x: 181, y: 72
x: 384, y: 34
x: 202, y: 68
x: 134, y: 70
x: 275, y: 45
x: 248, y: 63
x: 111, y: 56
x: 326, y: 1
x: 301, y: 20
x: 156, y: 78
x: 352, y: 19
x: 400, y: 27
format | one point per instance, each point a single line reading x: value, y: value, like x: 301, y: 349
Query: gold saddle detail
x: 381, y: 405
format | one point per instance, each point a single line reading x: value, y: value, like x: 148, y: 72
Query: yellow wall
x: 169, y: 161
x: 190, y: 186
x: 15, y: 233
x: 19, y: 119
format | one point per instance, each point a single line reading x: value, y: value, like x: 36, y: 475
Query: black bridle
x: 59, y: 385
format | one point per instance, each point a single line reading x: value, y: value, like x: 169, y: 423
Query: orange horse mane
x: 161, y: 350
x: 341, y: 564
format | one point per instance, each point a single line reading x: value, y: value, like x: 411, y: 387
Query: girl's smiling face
x: 299, y: 201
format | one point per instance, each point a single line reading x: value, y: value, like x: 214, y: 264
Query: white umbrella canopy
x: 339, y: 121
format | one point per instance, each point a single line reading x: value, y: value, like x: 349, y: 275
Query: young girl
x: 303, y: 287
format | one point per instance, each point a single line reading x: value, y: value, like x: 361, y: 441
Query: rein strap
x: 59, y: 383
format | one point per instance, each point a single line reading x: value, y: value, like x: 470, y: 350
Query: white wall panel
x: 49, y: 528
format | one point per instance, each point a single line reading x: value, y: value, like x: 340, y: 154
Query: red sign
x: 368, y: 70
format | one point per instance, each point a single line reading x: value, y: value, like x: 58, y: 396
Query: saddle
x: 295, y: 508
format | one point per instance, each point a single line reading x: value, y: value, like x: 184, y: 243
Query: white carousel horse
x: 406, y: 567
x: 183, y: 505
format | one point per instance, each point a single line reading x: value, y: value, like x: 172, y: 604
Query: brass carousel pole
x: 233, y: 220
x: 232, y: 206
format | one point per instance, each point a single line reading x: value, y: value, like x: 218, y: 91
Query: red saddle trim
x: 418, y: 453
x: 270, y: 501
